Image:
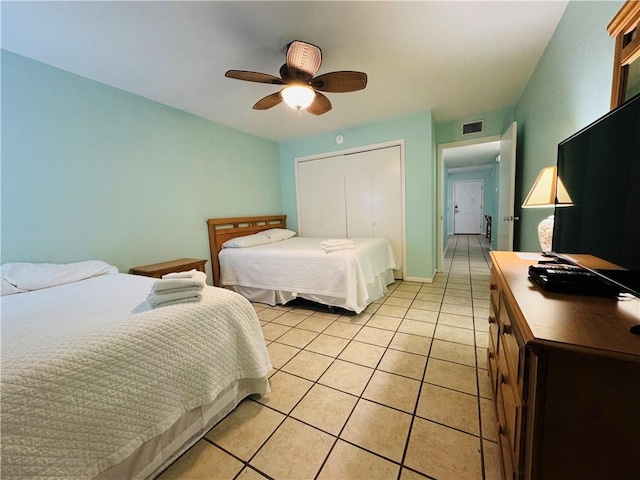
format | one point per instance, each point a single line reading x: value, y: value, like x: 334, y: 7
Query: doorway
x: 499, y: 153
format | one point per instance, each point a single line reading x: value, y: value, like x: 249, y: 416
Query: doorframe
x: 481, y: 182
x: 365, y: 148
x: 441, y: 189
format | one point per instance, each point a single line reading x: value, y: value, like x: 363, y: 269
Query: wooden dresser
x: 565, y: 373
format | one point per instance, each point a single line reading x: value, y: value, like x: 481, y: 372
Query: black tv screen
x: 600, y: 168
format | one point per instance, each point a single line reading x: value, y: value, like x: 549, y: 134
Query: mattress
x: 299, y: 267
x: 91, y: 375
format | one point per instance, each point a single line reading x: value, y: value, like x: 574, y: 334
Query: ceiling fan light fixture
x: 302, y: 90
x: 298, y: 96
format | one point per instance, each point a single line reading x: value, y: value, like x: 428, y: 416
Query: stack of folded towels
x: 333, y: 245
x: 182, y: 287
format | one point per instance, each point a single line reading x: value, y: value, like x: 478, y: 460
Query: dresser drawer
x: 509, y: 346
x: 503, y: 438
x: 492, y: 365
x: 507, y: 463
x: 493, y: 328
x: 511, y: 416
x: 495, y: 291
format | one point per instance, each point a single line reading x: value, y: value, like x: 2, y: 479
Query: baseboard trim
x: 418, y: 279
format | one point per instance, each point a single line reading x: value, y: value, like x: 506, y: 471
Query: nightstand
x: 157, y: 270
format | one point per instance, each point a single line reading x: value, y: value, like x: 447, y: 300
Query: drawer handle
x: 493, y: 286
x: 506, y: 329
x: 492, y: 319
x: 501, y: 430
x: 503, y: 379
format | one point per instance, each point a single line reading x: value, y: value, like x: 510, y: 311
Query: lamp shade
x: 298, y: 96
x: 547, y: 191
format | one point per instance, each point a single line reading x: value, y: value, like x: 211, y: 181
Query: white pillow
x: 246, y: 241
x: 278, y: 234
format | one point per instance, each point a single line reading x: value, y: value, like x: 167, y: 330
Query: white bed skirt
x: 155, y: 455
x: 375, y: 290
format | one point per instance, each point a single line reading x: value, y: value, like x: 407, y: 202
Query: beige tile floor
x: 399, y: 392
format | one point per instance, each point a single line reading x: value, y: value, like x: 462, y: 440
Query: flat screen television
x: 600, y: 168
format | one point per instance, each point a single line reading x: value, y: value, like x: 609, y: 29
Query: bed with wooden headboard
x: 223, y: 229
x: 284, y: 269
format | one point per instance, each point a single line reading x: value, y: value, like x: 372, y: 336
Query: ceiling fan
x: 302, y: 89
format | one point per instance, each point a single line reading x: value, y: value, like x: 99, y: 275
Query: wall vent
x: 470, y: 128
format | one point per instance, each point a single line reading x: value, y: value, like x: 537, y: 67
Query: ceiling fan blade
x: 284, y: 73
x: 303, y: 60
x: 340, y: 82
x: 320, y: 105
x: 254, y: 77
x: 268, y: 101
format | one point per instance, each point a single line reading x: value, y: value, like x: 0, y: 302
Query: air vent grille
x: 470, y: 128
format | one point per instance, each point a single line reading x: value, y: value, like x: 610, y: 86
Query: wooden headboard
x: 223, y: 229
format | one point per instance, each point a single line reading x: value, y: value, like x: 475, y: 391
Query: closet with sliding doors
x: 357, y: 194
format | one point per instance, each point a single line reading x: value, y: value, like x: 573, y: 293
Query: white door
x: 386, y: 181
x: 504, y: 223
x: 373, y: 185
x: 358, y: 194
x: 467, y: 207
x: 321, y: 198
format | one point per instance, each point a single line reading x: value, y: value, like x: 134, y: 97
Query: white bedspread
x: 299, y: 265
x: 85, y: 381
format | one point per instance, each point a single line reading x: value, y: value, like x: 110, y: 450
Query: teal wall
x: 92, y: 172
x: 420, y: 168
x: 489, y: 176
x: 570, y: 88
x: 495, y: 123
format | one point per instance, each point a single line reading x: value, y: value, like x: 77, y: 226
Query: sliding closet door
x: 386, y: 181
x: 359, y: 204
x: 373, y: 185
x: 321, y: 198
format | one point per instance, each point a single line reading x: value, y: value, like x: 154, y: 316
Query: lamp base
x: 545, y: 233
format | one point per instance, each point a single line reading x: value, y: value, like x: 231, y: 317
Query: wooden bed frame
x: 223, y: 229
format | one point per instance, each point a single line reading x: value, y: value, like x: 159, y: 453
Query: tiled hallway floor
x: 400, y: 391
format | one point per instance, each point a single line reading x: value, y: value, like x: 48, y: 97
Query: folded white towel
x: 168, y: 285
x: 334, y: 242
x: 188, y: 274
x: 338, y: 248
x: 181, y: 290
x: 173, y: 298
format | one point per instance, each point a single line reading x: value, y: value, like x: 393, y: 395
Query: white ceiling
x: 457, y: 59
x: 471, y: 155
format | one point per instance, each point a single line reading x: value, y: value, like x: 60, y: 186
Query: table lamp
x: 547, y: 192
